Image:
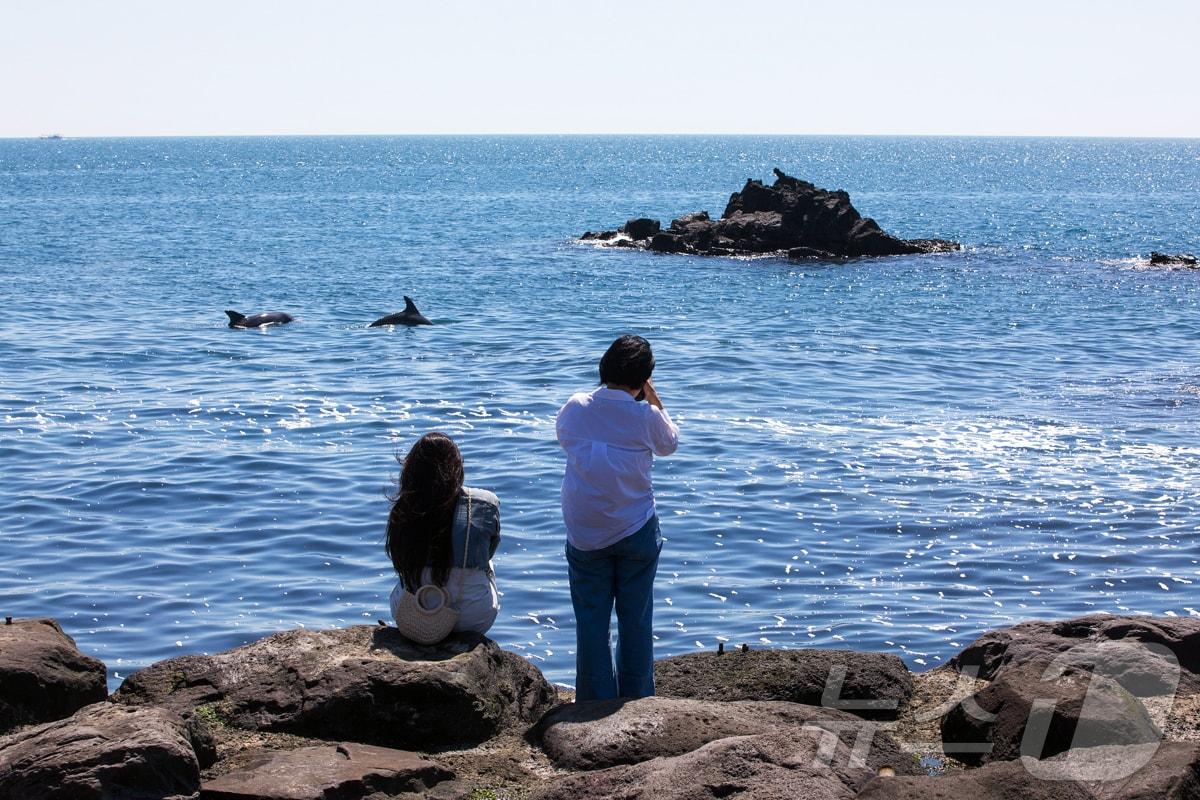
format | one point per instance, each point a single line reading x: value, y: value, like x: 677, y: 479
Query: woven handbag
x: 426, y: 616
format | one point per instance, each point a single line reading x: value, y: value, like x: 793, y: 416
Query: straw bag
x: 426, y: 616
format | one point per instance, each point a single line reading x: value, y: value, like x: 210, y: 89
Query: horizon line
x: 55, y: 136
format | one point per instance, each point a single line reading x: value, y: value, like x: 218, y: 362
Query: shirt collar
x: 613, y: 394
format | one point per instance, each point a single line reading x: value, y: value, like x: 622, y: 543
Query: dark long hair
x: 418, y: 530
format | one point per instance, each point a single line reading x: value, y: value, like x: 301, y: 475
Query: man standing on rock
x: 613, y: 538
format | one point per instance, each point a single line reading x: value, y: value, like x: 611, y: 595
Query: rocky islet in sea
x: 1158, y: 259
x: 791, y: 217
x: 362, y: 713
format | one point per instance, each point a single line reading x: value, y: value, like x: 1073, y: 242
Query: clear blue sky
x: 1052, y: 67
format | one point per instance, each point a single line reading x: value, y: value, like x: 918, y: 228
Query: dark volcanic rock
x: 364, y: 684
x: 867, y: 684
x: 667, y: 243
x: 43, y: 676
x: 604, y: 733
x: 790, y: 217
x: 776, y: 766
x: 1026, y: 712
x: 102, y: 752
x: 641, y: 228
x: 346, y: 771
x: 601, y: 236
x: 1132, y: 650
x: 1004, y: 780
x: 1179, y: 260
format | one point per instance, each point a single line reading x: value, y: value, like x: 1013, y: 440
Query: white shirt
x: 610, y: 440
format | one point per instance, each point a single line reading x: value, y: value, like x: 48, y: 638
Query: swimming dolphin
x: 237, y: 320
x: 409, y: 316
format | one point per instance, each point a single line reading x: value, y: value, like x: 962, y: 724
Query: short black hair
x: 628, y: 362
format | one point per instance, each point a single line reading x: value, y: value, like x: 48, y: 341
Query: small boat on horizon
x: 53, y: 136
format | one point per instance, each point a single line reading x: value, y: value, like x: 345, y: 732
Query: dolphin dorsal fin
x: 234, y: 317
x: 409, y: 305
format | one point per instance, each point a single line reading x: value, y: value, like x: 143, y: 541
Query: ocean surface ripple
x: 892, y: 455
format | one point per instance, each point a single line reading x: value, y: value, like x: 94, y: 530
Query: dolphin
x: 237, y: 320
x: 409, y: 316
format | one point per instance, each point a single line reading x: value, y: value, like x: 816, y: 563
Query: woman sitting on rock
x: 441, y: 537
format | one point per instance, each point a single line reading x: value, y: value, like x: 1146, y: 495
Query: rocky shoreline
x: 1094, y: 707
x: 790, y: 218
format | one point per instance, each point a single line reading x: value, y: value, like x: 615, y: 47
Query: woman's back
x: 470, y: 585
x: 443, y: 533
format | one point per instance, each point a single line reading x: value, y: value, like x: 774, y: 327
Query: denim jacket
x: 485, y: 529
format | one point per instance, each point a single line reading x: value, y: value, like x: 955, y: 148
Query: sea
x: 878, y: 454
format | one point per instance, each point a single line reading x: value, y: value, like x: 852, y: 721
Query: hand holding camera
x: 649, y: 394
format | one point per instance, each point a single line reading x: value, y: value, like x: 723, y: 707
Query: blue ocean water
x: 882, y: 454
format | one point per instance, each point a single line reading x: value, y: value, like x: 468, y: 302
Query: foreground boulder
x: 362, y: 684
x: 801, y: 764
x: 603, y: 733
x: 1147, y: 655
x: 1004, y: 780
x: 791, y: 217
x: 102, y: 752
x: 1026, y: 712
x: 43, y: 675
x: 1166, y: 771
x: 866, y: 684
x: 1167, y: 259
x: 346, y: 771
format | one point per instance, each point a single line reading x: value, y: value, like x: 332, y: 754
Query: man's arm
x: 664, y: 433
x: 652, y: 395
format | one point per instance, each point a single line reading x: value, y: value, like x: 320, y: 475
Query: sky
x: 967, y: 67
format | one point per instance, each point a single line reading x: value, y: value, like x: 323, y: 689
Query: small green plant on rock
x: 210, y: 715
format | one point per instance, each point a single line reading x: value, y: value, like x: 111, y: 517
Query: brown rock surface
x: 1166, y: 771
x: 776, y: 766
x: 866, y: 684
x: 102, y: 752
x: 43, y: 675
x: 604, y: 733
x: 1027, y: 712
x: 346, y: 771
x: 1133, y: 650
x: 365, y: 684
x: 1003, y: 780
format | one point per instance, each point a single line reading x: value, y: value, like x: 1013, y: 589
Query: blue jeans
x: 620, y: 574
